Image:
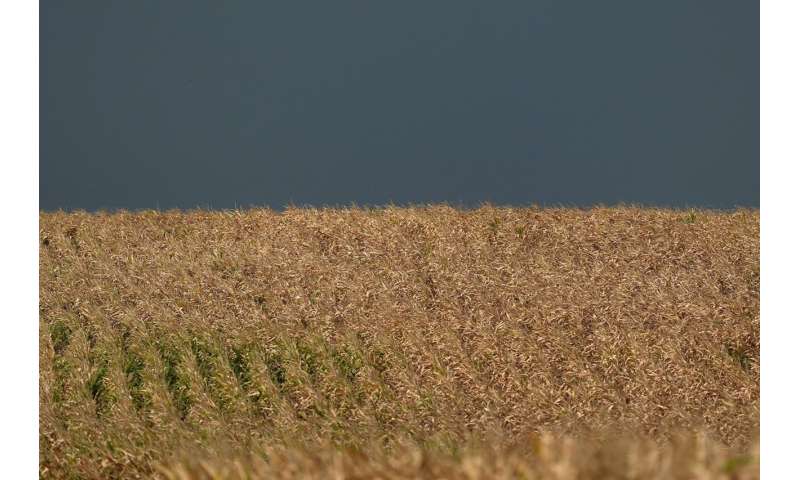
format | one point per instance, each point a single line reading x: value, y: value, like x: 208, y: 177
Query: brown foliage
x: 397, y: 334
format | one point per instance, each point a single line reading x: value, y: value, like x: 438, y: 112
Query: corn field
x: 400, y: 342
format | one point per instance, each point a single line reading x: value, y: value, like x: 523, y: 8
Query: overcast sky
x: 151, y: 104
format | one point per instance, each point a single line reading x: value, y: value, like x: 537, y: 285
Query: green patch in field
x: 59, y: 335
x: 98, y: 386
x: 207, y: 358
x: 62, y: 370
x: 237, y: 359
x: 348, y: 361
x: 177, y: 383
x: 310, y: 360
x: 277, y: 372
x: 204, y: 356
x: 134, y: 367
x: 735, y: 463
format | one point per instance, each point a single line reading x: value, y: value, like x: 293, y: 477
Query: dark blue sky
x: 201, y: 103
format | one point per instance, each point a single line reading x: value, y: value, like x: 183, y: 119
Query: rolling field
x: 424, y: 342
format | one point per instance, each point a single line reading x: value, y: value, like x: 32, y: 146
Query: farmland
x: 400, y: 342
